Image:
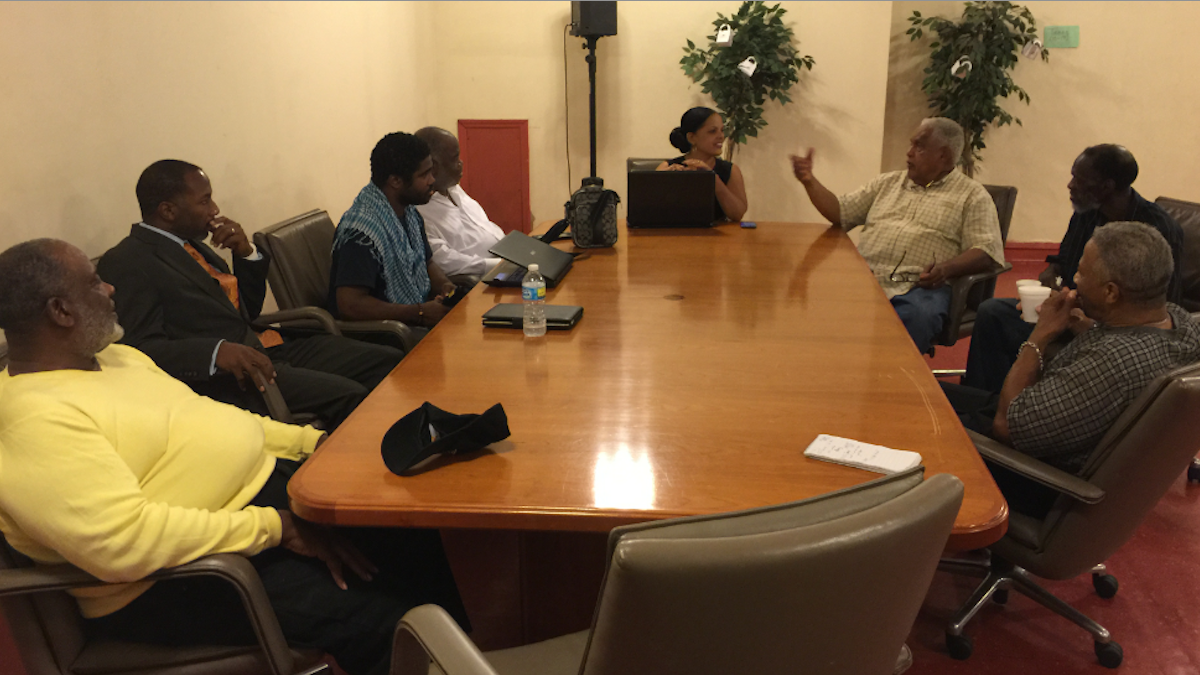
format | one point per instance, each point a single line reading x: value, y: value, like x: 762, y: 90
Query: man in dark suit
x: 180, y: 305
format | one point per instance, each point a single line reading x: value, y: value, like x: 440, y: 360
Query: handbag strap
x: 599, y: 207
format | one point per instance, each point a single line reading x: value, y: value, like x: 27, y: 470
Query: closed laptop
x: 512, y: 315
x: 522, y: 251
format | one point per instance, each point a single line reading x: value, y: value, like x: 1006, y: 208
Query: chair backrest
x: 830, y: 585
x: 642, y: 163
x: 1187, y: 214
x: 1135, y: 464
x: 301, y: 250
x: 1005, y: 197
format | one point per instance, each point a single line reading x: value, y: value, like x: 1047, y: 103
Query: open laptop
x: 671, y: 199
x: 519, y: 251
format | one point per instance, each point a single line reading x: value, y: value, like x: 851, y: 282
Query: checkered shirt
x: 906, y: 224
x: 1062, y: 417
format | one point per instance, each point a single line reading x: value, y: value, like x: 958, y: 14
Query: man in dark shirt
x: 1102, y: 191
x: 382, y: 265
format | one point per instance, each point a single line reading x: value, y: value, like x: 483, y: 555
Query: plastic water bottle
x: 533, y: 292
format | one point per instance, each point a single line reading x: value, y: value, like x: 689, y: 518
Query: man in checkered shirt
x: 921, y: 228
x: 1127, y: 334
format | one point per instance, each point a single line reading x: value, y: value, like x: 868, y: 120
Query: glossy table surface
x: 706, y: 361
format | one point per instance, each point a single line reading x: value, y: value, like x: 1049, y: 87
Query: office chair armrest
x: 42, y: 578
x: 405, y: 333
x: 427, y: 632
x: 960, y: 291
x: 1035, y: 470
x: 233, y: 568
x: 306, y: 314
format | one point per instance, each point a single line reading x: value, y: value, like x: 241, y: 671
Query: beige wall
x: 282, y: 102
x: 1131, y: 81
x: 505, y: 59
x: 279, y: 102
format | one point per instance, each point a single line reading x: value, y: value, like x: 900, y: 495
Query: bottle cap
x: 533, y: 267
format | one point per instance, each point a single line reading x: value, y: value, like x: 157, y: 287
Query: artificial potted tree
x: 970, y: 66
x: 758, y: 36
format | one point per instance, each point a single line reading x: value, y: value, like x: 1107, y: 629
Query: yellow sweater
x: 126, y: 470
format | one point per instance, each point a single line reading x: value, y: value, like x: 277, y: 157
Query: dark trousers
x: 996, y: 339
x: 923, y: 312
x: 977, y: 411
x: 355, y: 626
x: 326, y: 375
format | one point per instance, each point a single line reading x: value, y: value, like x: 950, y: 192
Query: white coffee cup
x: 1028, y: 282
x: 1032, y: 297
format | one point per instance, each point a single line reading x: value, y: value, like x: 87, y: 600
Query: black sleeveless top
x: 723, y: 170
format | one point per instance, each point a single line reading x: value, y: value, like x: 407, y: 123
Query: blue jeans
x: 923, y: 312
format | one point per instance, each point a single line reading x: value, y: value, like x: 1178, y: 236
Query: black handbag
x: 592, y: 214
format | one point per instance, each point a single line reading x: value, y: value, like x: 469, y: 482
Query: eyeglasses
x: 904, y: 277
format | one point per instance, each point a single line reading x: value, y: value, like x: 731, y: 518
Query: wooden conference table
x: 705, y: 362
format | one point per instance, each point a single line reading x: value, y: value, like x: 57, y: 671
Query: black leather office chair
x: 1187, y: 214
x: 967, y: 293
x: 301, y: 250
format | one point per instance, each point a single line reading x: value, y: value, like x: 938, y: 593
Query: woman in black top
x: 701, y: 137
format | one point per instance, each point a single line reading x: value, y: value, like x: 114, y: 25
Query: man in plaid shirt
x: 921, y: 228
x: 1127, y: 334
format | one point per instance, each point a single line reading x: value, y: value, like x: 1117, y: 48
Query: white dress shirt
x: 460, y: 233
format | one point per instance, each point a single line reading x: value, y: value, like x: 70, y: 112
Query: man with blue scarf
x: 382, y: 264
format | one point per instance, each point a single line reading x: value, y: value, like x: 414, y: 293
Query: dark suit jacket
x: 172, y: 309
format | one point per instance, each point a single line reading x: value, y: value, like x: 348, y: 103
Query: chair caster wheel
x: 1105, y: 584
x: 1194, y: 471
x: 1000, y: 597
x: 960, y: 647
x: 1110, y: 655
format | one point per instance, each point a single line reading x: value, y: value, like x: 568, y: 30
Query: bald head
x: 436, y: 138
x: 443, y: 147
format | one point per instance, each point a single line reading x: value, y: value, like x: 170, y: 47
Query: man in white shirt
x: 458, y: 230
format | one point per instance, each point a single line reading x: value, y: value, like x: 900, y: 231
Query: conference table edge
x: 344, y: 513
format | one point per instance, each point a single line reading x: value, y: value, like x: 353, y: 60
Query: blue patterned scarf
x: 396, y: 246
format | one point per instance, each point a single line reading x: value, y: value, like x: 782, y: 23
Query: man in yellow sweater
x: 108, y: 463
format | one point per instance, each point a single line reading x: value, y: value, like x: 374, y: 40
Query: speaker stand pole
x: 591, y: 61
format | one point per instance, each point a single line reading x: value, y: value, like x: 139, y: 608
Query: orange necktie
x: 229, y: 284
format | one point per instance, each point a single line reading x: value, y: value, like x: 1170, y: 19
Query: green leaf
x: 759, y: 31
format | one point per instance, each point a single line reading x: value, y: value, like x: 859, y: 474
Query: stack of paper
x: 861, y: 455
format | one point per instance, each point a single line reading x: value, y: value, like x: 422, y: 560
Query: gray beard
x: 99, y: 334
